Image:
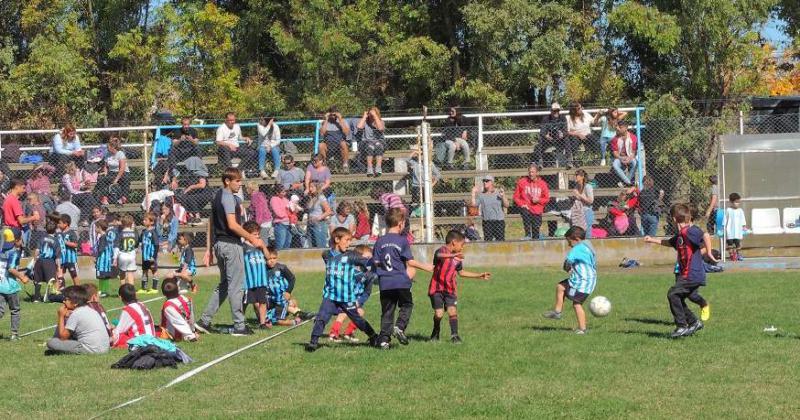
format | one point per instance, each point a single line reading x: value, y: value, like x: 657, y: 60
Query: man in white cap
x: 491, y: 202
x: 553, y: 133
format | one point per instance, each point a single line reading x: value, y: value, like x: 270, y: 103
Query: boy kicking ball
x: 581, y: 265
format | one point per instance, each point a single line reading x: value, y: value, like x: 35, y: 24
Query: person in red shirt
x: 13, y: 215
x: 531, y: 195
x: 442, y: 291
x: 624, y: 148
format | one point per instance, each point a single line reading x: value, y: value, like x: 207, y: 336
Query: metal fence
x: 678, y: 155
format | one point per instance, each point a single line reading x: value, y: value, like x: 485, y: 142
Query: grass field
x: 513, y: 363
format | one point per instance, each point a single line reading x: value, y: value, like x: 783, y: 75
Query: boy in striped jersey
x: 280, y: 284
x: 581, y: 265
x: 47, y: 267
x: 442, y: 291
x: 125, y: 251
x: 105, y: 267
x: 364, y: 281
x: 255, y: 275
x: 135, y: 319
x: 187, y: 266
x: 339, y: 291
x: 148, y: 239
x: 68, y: 241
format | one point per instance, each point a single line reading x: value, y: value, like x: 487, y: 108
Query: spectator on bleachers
x: 650, y: 205
x: 491, y: 202
x: 531, y: 196
x: 579, y: 131
x: 5, y: 180
x: 65, y: 147
x: 454, y: 139
x: 582, y: 213
x: 370, y: 131
x: 168, y: 223
x: 279, y: 206
x: 37, y: 215
x: 335, y: 131
x: 113, y: 185
x: 319, y: 212
x: 259, y: 210
x: 343, y: 218
x: 415, y: 171
x: 66, y: 206
x: 608, y: 119
x: 81, y: 192
x: 291, y: 177
x: 553, y: 133
x: 269, y: 140
x: 363, y: 225
x: 185, y: 142
x: 624, y: 148
x: 191, y: 187
x: 620, y: 213
x: 39, y: 183
x: 229, y: 141
x: 318, y: 173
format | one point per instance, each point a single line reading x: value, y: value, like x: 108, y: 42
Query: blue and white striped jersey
x: 340, y: 275
x: 583, y: 275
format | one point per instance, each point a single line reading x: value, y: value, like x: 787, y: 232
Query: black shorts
x: 373, y: 148
x: 441, y: 300
x: 573, y: 294
x: 105, y: 275
x: 256, y: 295
x: 734, y: 243
x: 334, y: 146
x: 44, y: 270
x: 71, y: 268
x: 150, y: 265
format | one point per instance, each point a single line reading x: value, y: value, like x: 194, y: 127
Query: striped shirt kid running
x: 255, y: 267
x: 279, y: 281
x: 340, y: 275
x: 583, y: 275
x: 69, y: 255
x: 444, y: 273
x: 148, y: 239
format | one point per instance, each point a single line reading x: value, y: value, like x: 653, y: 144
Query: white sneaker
x: 264, y: 174
x: 602, y: 162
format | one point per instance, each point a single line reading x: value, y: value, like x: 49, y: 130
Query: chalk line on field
x: 114, y: 309
x: 199, y: 369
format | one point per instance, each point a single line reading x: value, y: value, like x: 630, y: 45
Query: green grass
x: 513, y: 362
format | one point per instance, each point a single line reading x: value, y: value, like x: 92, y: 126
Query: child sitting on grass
x: 135, y: 319
x: 177, y: 314
x: 581, y: 265
x: 94, y: 303
x: 80, y: 329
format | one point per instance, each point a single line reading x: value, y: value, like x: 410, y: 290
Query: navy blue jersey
x: 279, y: 281
x: 48, y: 248
x: 340, y: 275
x: 127, y: 241
x: 148, y: 239
x: 255, y: 267
x: 69, y: 254
x: 187, y: 260
x: 390, y: 254
x: 104, y: 253
x: 364, y: 280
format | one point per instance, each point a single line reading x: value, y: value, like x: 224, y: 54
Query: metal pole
x: 428, y: 190
x: 1, y: 146
x: 316, y: 137
x: 639, y: 159
x: 741, y: 123
x: 720, y: 207
x: 482, y: 164
x: 147, y: 168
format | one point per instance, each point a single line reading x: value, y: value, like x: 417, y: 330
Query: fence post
x: 316, y: 137
x: 1, y: 146
x: 426, y: 180
x: 741, y: 123
x: 146, y: 160
x: 639, y: 149
x: 482, y: 163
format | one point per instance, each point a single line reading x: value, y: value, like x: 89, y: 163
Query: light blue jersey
x: 583, y: 276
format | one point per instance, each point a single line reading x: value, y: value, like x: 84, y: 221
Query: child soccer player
x: 364, y: 280
x: 396, y: 267
x: 735, y: 225
x: 691, y: 274
x: 148, y: 239
x: 79, y: 329
x: 177, y: 314
x: 280, y: 284
x: 339, y: 290
x: 94, y: 303
x: 135, y: 319
x: 105, y: 269
x: 125, y: 251
x: 68, y: 242
x: 187, y: 266
x: 443, y: 287
x: 10, y: 277
x: 255, y: 275
x: 47, y: 267
x: 582, y: 267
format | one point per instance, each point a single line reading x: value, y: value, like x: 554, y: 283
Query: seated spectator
x: 228, y: 139
x: 579, y: 130
x: 113, y: 185
x: 553, y: 133
x: 185, y: 142
x: 135, y: 319
x: 318, y: 173
x: 291, y: 177
x: 363, y: 224
x: 269, y: 140
x: 191, y: 187
x: 415, y: 170
x: 334, y: 131
x: 259, y: 210
x: 279, y: 206
x: 370, y: 131
x: 65, y: 147
x: 39, y: 183
x: 177, y: 314
x: 80, y: 329
x: 608, y: 120
x: 319, y: 211
x: 79, y: 191
x: 5, y: 178
x: 168, y: 223
x: 620, y: 212
x: 624, y: 148
x: 454, y: 138
x: 65, y: 206
x: 343, y: 218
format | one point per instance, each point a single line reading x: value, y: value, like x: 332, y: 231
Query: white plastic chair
x: 766, y: 221
x: 791, y: 216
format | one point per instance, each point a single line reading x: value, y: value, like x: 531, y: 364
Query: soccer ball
x: 600, y: 306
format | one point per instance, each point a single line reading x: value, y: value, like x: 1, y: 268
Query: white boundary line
x: 114, y: 309
x: 198, y: 369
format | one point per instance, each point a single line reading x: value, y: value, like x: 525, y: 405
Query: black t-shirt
x: 452, y: 129
x: 177, y: 133
x: 224, y: 203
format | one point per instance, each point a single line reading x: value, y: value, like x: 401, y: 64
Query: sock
x: 437, y: 322
x: 454, y: 325
x: 37, y: 290
x: 144, y: 283
x: 335, y: 328
x: 104, y: 285
x: 155, y: 283
x: 351, y: 328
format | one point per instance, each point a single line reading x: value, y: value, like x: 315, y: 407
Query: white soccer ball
x: 600, y: 306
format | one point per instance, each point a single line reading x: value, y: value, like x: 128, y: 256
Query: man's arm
x: 419, y: 265
x: 236, y: 228
x: 207, y: 254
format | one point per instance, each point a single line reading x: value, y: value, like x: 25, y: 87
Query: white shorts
x: 126, y: 261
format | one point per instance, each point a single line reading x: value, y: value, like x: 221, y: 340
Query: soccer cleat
x: 241, y: 332
x: 434, y: 337
x: 334, y: 338
x: 697, y: 326
x: 311, y: 347
x: 351, y: 338
x: 264, y: 326
x: 305, y: 316
x: 14, y: 337
x: 552, y: 315
x: 456, y: 339
x: 580, y: 332
x: 401, y: 336
x: 204, y: 328
x: 103, y: 295
x: 680, y: 332
x: 384, y: 345
x: 705, y: 313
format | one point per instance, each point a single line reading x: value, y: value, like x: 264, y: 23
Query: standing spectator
x: 81, y: 194
x: 269, y: 138
x: 608, y: 119
x: 415, y: 170
x: 39, y: 183
x: 531, y: 195
x: 168, y: 234
x: 67, y: 207
x: 371, y: 129
x: 579, y: 130
x: 624, y: 148
x: 114, y: 184
x: 582, y: 213
x: 185, y: 142
x: 711, y: 211
x: 650, y: 204
x: 279, y: 205
x: 553, y: 133
x: 491, y: 202
x: 334, y: 131
x: 318, y: 214
x: 291, y: 177
x: 65, y: 147
x: 228, y: 139
x: 259, y: 210
x: 363, y: 226
x: 13, y: 215
x: 454, y: 137
x: 226, y: 233
x: 318, y: 173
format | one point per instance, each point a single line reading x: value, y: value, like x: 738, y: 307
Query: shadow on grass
x: 650, y: 321
x: 419, y: 337
x: 547, y: 329
x: 651, y: 334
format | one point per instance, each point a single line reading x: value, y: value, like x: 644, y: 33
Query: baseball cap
x: 488, y: 178
x: 8, y: 239
x: 555, y: 106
